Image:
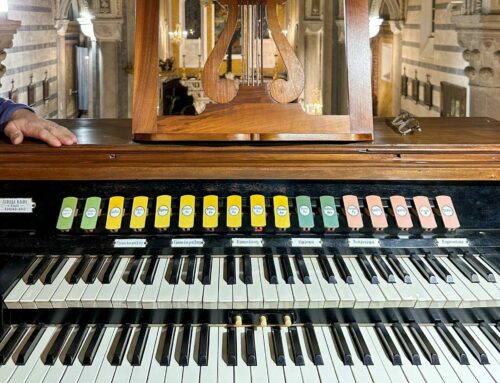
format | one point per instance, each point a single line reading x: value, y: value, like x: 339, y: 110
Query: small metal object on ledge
x: 406, y: 124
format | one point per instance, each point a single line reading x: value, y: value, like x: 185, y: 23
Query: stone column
x: 8, y: 28
x: 397, y: 52
x: 479, y: 35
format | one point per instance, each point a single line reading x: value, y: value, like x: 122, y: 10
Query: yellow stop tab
x: 115, y: 213
x: 186, y: 212
x: 163, y: 212
x: 210, y: 212
x: 233, y: 215
x: 139, y: 213
x: 258, y: 211
x: 281, y: 212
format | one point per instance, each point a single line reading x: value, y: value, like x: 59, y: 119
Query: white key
x: 437, y: 297
x: 242, y: 372
x: 254, y: 291
x: 327, y: 371
x: 405, y: 290
x: 191, y: 372
x: 424, y: 300
x: 316, y: 297
x: 56, y: 372
x: 8, y: 369
x: 359, y: 370
x: 225, y: 290
x: 329, y: 291
x: 240, y: 299
x: 393, y: 373
x: 195, y: 296
x: 377, y: 298
x: 269, y: 291
x: 156, y: 371
x: 285, y: 294
x: 211, y: 291
x: 119, y: 298
x: 346, y: 294
x: 451, y: 296
x: 28, y: 300
x: 89, y: 297
x: 150, y: 296
x: 106, y: 293
x: 389, y: 290
x: 377, y: 370
x: 310, y: 373
x: 73, y: 372
x: 22, y: 372
x: 493, y: 355
x: 299, y: 290
x: 208, y: 373
x: 259, y: 372
x: 225, y: 372
x: 166, y: 292
x: 492, y: 288
x: 411, y: 372
x: 13, y: 299
x: 123, y: 372
x: 90, y: 373
x: 43, y: 300
x: 276, y: 373
x: 181, y: 289
x: 141, y: 373
x: 292, y: 371
x: 359, y: 288
x: 174, y: 370
x: 73, y: 299
x: 467, y: 298
x: 134, y: 297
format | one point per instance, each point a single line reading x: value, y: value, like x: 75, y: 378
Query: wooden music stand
x: 253, y: 113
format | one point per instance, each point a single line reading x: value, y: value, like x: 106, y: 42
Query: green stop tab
x: 91, y: 213
x: 305, y: 212
x: 67, y: 214
x: 329, y: 213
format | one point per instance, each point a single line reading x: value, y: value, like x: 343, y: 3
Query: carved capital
x: 396, y: 26
x: 108, y: 29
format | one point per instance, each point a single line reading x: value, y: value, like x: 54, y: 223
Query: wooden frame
x: 245, y: 119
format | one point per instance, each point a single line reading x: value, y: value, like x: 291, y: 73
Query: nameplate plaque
x: 363, y: 242
x: 16, y: 205
x: 130, y: 243
x: 247, y: 242
x: 307, y: 242
x: 452, y: 242
x: 187, y: 242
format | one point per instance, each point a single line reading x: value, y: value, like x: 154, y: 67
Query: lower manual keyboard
x: 201, y: 353
x: 274, y: 280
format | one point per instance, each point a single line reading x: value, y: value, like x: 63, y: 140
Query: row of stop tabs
x: 326, y: 208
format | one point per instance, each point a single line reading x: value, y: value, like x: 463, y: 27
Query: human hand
x: 24, y: 123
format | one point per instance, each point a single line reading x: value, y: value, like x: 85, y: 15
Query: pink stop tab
x: 376, y: 211
x: 424, y: 213
x: 448, y: 212
x: 353, y: 212
x: 401, y: 213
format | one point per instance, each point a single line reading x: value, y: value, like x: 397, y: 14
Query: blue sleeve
x: 7, y: 108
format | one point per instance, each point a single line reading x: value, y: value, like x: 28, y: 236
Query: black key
x: 388, y: 344
x: 176, y: 270
x: 471, y: 343
x: 464, y: 268
x: 298, y: 356
x: 79, y: 270
x: 94, y: 344
x: 312, y: 340
x: 204, y: 345
x: 490, y: 334
x: 150, y: 273
x: 342, y: 346
x: 345, y: 274
x: 368, y: 269
x: 250, y: 346
x: 207, y: 270
x: 95, y: 270
x: 405, y: 342
x: 168, y: 344
x: 12, y: 343
x: 439, y: 268
x: 57, y: 346
x: 185, y: 346
x: 3, y: 333
x: 191, y: 270
x: 121, y: 346
x: 140, y: 346
x: 360, y: 344
x: 383, y: 268
x: 452, y: 344
x: 110, y: 271
x: 230, y: 270
x: 39, y: 269
x: 247, y: 270
x: 75, y: 345
x: 30, y: 345
x: 232, y: 347
x: 279, y: 352
x: 326, y: 268
x: 423, y: 268
x: 286, y: 267
x: 55, y: 270
x: 424, y: 344
x: 303, y: 272
x: 480, y: 267
x: 272, y: 276
x: 399, y: 268
x: 135, y: 270
x: 491, y: 263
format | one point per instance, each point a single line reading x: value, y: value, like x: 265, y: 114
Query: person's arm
x: 18, y: 121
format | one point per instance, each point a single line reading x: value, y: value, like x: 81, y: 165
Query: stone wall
x: 34, y: 52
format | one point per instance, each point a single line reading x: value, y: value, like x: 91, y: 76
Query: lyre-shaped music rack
x: 253, y: 110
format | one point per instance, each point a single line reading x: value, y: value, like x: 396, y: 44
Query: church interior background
x: 75, y: 58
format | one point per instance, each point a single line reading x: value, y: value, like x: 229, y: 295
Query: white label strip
x: 247, y: 242
x: 187, y: 242
x: 363, y: 242
x: 307, y: 242
x: 16, y: 205
x: 452, y: 242
x: 130, y: 243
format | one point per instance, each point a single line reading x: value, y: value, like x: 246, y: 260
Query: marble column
x: 397, y: 51
x: 8, y: 28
